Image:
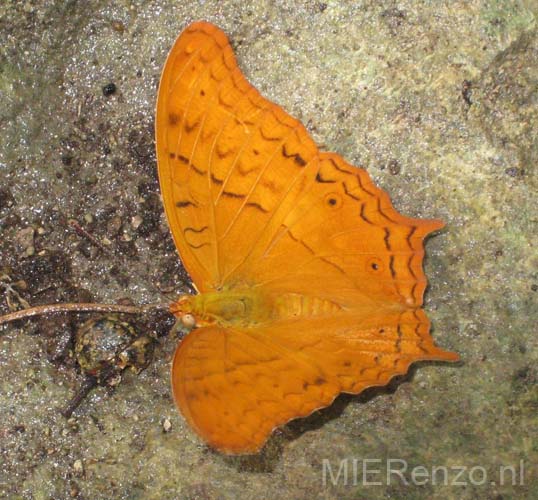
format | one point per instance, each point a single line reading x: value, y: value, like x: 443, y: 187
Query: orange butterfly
x: 310, y: 282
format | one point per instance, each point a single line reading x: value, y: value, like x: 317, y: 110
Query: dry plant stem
x: 81, y: 394
x: 80, y: 307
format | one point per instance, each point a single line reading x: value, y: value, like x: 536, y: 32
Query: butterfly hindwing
x: 234, y: 385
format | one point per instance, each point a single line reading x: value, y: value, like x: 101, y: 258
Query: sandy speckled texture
x: 438, y: 100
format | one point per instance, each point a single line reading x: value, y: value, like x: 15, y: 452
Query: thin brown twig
x: 75, y: 226
x: 79, y: 396
x: 78, y: 307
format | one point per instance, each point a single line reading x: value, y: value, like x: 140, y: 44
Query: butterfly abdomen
x: 291, y: 305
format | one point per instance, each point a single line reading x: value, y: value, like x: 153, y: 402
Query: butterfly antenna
x: 78, y: 307
x: 28, y: 311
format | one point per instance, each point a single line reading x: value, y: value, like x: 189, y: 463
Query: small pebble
x: 21, y: 285
x: 394, y: 167
x: 118, y: 26
x: 74, y: 491
x: 113, y: 226
x: 136, y: 221
x: 78, y: 467
x: 25, y: 240
x: 109, y: 89
x: 513, y: 171
x: 167, y: 425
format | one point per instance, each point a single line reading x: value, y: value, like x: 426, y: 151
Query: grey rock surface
x: 437, y: 100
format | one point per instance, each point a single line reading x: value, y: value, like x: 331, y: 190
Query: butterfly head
x: 189, y: 312
x: 183, y: 310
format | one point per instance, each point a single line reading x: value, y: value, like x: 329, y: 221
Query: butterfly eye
x: 333, y: 200
x: 188, y: 320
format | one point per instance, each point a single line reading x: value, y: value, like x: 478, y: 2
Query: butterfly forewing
x: 227, y: 157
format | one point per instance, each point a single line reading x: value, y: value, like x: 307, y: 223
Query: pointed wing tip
x: 434, y: 225
x: 442, y: 355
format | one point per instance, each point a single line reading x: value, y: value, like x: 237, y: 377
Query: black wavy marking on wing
x: 195, y: 230
x: 257, y: 206
x: 185, y: 203
x: 297, y: 158
x: 321, y: 179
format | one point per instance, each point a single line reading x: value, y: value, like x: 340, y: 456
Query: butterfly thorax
x: 245, y: 306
